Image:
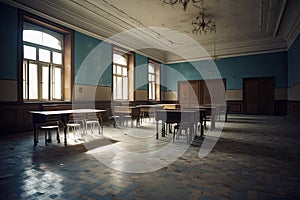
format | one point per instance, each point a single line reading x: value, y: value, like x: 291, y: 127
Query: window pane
x: 120, y: 59
x: 33, y: 81
x: 57, y: 84
x: 41, y: 37
x: 114, y: 69
x: 153, y: 90
x: 125, y: 88
x: 119, y: 70
x: 115, y: 87
x: 29, y: 52
x: 44, y: 55
x: 150, y: 92
x: 50, y: 41
x: 25, y: 81
x: 151, y: 68
x: 119, y: 88
x: 45, y: 82
x: 124, y: 71
x: 57, y: 58
x: 32, y: 36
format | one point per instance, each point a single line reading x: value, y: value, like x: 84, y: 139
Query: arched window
x: 43, y: 69
x: 153, y: 80
x: 42, y: 38
x: 122, y: 75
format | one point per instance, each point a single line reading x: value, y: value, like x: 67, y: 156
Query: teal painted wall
x: 233, y: 69
x: 92, y: 61
x: 8, y: 40
x: 141, y: 72
x: 93, y: 57
x: 294, y: 63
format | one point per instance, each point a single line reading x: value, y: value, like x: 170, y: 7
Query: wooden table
x: 39, y: 117
x: 175, y: 116
x: 209, y: 109
x: 132, y: 111
x: 148, y: 110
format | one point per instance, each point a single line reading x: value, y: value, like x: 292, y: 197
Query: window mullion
x: 49, y: 82
x: 27, y: 81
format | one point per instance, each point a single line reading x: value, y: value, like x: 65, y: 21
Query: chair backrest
x: 91, y: 116
x: 76, y: 117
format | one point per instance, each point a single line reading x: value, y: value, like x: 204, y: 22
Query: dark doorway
x: 259, y: 95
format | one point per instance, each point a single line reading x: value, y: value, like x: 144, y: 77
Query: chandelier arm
x: 184, y: 3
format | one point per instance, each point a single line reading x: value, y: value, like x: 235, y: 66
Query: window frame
x: 67, y: 77
x: 51, y: 66
x: 129, y: 75
x: 156, y: 81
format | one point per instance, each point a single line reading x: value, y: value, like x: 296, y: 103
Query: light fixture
x: 183, y: 2
x: 203, y: 24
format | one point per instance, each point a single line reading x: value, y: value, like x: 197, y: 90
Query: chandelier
x: 183, y: 2
x: 202, y: 24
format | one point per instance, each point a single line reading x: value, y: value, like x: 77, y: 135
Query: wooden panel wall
x: 293, y: 110
x: 14, y: 117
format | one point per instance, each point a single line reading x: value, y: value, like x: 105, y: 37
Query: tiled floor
x: 256, y: 157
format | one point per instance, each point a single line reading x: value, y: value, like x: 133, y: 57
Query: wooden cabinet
x: 199, y: 92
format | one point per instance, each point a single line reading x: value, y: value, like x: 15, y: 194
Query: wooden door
x: 250, y: 94
x: 183, y: 93
x: 259, y: 95
x: 265, y: 96
x: 194, y: 94
x: 188, y: 93
x: 214, y: 91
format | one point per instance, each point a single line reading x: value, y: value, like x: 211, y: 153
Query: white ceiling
x: 164, y: 32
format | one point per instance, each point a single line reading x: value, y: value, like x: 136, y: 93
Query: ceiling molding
x: 127, y: 26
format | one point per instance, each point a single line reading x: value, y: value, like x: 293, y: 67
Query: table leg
x: 202, y: 117
x: 65, y: 134
x: 35, y: 136
x: 156, y: 129
x: 65, y: 119
x: 213, y: 119
x: 99, y: 117
x: 163, y: 129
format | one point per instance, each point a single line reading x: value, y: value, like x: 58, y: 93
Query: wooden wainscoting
x: 15, y: 117
x: 235, y: 106
x: 293, y: 109
x: 280, y: 107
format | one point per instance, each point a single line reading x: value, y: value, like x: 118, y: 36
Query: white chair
x: 92, y: 121
x: 187, y: 128
x: 113, y: 118
x: 75, y: 123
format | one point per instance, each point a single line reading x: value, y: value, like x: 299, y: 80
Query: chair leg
x: 46, y: 137
x: 74, y: 133
x: 57, y: 136
x: 99, y: 128
x: 49, y: 136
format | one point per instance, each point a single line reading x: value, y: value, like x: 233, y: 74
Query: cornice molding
x: 101, y: 24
